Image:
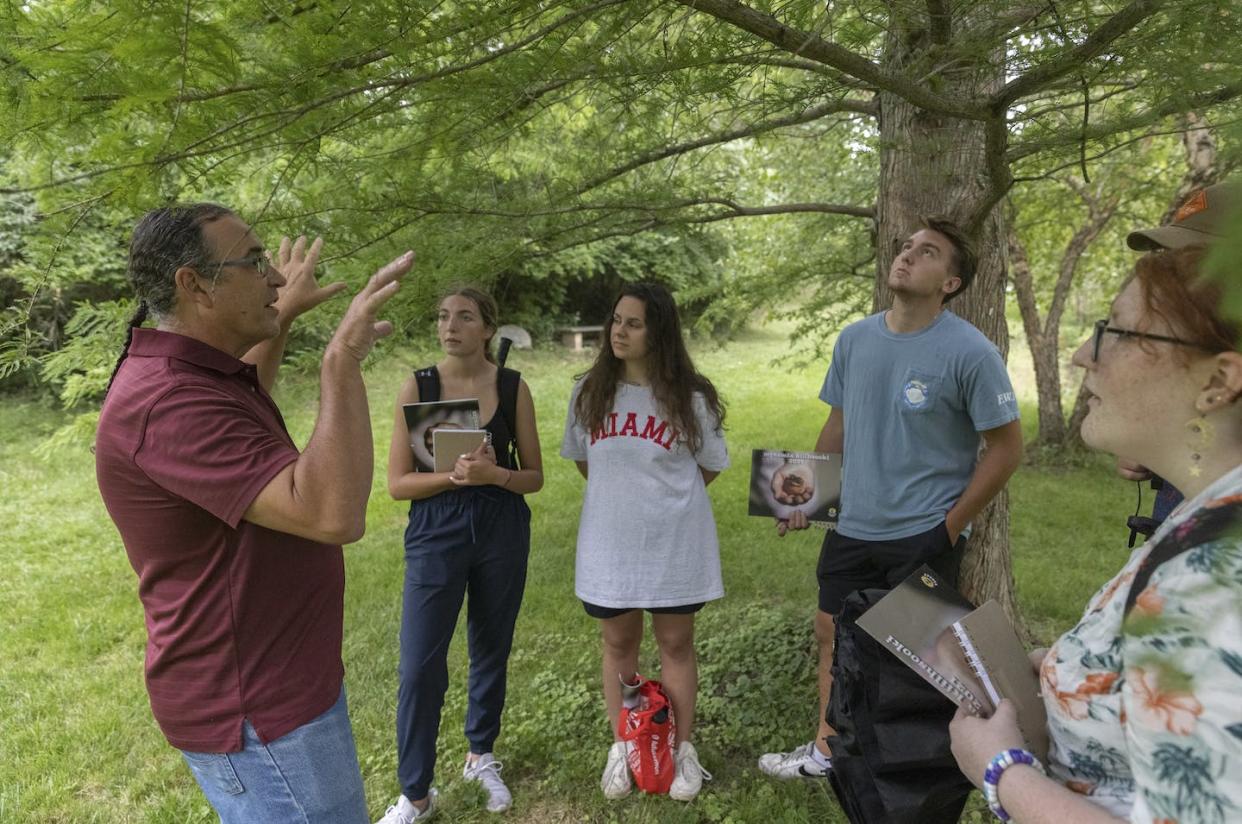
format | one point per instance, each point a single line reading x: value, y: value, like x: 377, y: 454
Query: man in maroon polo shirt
x: 235, y: 534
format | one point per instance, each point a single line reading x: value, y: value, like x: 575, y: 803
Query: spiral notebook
x: 972, y: 656
x: 914, y: 622
x: 1001, y: 664
x: 424, y: 419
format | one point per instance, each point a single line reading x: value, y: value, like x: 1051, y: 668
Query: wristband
x: 998, y: 765
x: 508, y: 478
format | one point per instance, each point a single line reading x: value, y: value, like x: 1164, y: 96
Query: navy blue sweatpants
x: 464, y: 541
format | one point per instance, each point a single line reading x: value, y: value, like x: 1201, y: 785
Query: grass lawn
x: 79, y: 744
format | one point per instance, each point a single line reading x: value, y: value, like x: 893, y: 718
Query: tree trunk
x: 1044, y: 349
x: 1044, y: 338
x: 933, y: 164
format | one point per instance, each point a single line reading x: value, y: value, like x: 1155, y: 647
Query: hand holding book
x: 976, y: 740
x: 476, y: 468
x: 972, y: 656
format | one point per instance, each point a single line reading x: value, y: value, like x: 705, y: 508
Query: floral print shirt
x: 1146, y: 718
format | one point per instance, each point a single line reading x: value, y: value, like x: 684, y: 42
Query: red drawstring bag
x: 650, y: 728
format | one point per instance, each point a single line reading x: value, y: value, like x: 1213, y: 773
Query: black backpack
x: 891, y: 760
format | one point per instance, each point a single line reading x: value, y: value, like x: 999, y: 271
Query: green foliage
x: 577, y: 286
x: 519, y: 143
x: 552, y: 149
x: 1222, y: 264
x: 84, y: 364
x: 738, y: 653
x: 51, y: 266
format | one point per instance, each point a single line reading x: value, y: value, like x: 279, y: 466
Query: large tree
x: 500, y: 130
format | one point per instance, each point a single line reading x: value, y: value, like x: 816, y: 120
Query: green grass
x: 79, y: 744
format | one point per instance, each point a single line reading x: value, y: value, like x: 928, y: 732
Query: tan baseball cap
x: 1199, y: 220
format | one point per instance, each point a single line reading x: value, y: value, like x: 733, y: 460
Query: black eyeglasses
x: 260, y: 263
x: 1101, y: 326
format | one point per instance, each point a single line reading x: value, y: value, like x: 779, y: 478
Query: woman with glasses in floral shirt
x: 1144, y: 695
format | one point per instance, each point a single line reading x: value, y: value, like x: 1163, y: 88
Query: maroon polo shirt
x: 242, y: 621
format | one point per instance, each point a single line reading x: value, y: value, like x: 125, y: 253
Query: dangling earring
x: 1203, y: 435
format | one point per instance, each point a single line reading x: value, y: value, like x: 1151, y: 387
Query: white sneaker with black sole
x: 690, y: 773
x: 616, y: 781
x: 404, y: 811
x: 486, y: 770
x: 802, y: 762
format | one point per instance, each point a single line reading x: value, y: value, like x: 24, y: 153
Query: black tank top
x: 502, y: 426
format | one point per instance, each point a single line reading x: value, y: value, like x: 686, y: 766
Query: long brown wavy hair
x: 674, y: 380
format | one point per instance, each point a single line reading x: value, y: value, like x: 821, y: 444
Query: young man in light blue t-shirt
x: 919, y: 387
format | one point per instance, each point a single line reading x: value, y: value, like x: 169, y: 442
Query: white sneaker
x: 486, y: 771
x: 800, y: 763
x: 616, y: 781
x: 404, y: 811
x: 690, y: 773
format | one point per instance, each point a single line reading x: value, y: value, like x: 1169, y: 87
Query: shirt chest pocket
x: 920, y: 389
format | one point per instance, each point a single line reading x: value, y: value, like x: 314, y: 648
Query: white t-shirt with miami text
x: 647, y: 537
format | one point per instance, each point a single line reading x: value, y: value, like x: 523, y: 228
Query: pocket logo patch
x: 915, y: 394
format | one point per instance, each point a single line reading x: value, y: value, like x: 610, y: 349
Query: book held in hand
x: 1004, y: 669
x: 782, y: 483
x: 450, y: 444
x: 972, y: 656
x: 423, y: 419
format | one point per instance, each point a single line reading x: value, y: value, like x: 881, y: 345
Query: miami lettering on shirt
x: 664, y: 434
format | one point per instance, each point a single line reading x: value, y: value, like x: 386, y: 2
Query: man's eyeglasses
x: 259, y: 263
x: 1101, y: 326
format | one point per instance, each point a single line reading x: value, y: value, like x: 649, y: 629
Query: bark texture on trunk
x: 931, y: 164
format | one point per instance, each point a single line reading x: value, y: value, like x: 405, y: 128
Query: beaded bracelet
x: 991, y: 776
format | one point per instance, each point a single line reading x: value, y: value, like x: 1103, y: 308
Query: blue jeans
x: 309, y: 776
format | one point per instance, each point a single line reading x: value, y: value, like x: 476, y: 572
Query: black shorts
x: 850, y: 564
x: 596, y: 611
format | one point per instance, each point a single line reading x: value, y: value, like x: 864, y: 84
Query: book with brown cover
x: 915, y: 623
x: 448, y: 444
x: 972, y: 656
x: 1004, y: 670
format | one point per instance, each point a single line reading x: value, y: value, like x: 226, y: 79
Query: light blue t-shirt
x: 914, y: 406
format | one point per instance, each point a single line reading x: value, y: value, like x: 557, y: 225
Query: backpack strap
x: 428, y: 384
x: 509, y: 380
x: 1209, y: 524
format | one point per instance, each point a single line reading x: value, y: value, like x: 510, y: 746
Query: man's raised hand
x: 301, y: 291
x: 359, y: 328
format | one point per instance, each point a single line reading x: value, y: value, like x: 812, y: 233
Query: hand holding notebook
x: 972, y: 656
x: 450, y: 444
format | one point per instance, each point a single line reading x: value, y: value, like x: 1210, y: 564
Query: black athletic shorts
x: 850, y: 564
x: 596, y: 611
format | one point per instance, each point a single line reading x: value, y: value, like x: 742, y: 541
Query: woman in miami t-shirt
x: 645, y: 429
